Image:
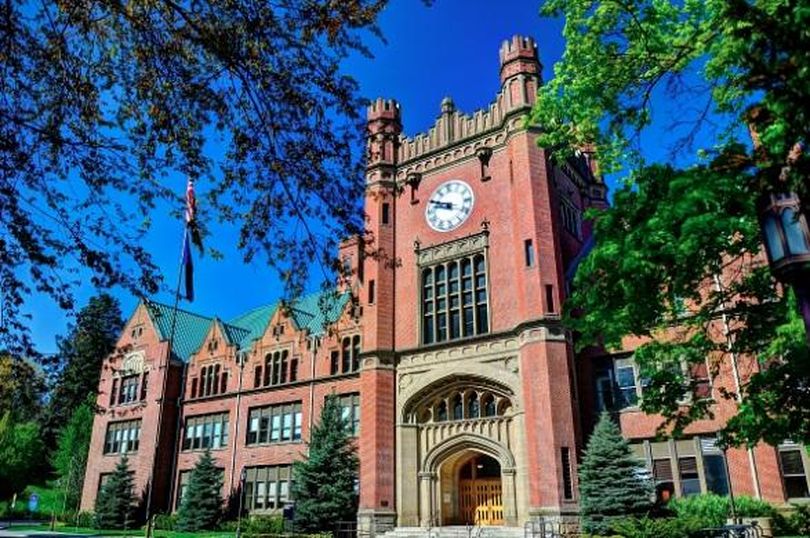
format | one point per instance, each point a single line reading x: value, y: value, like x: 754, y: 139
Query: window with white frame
x: 268, y: 487
x: 794, y: 471
x: 350, y: 407
x: 206, y: 431
x: 279, y: 423
x: 122, y: 437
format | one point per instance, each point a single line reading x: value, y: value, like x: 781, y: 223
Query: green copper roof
x: 316, y: 311
x: 254, y: 322
x: 189, y: 332
x: 313, y: 313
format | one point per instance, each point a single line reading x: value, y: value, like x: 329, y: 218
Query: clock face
x: 449, y: 205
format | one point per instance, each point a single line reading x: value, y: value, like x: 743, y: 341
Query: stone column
x: 509, y: 489
x: 426, y: 487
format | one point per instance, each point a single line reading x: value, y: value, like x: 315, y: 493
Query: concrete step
x: 456, y: 532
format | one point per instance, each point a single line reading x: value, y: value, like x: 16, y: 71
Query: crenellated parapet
x: 520, y: 80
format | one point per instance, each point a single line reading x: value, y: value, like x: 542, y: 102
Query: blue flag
x: 188, y: 266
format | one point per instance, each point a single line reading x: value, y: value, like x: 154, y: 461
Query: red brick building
x: 447, y: 351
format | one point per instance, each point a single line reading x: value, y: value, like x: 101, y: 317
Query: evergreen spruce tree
x: 613, y: 482
x: 114, y: 503
x: 202, y: 503
x: 324, y: 484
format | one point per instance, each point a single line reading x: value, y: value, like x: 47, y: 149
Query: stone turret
x: 384, y: 128
x: 519, y: 56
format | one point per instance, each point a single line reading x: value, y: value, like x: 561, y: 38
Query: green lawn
x: 134, y: 532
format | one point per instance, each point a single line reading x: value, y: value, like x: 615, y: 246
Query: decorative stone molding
x: 452, y: 250
x: 543, y: 334
x: 440, y: 452
x: 134, y: 363
x: 482, y: 350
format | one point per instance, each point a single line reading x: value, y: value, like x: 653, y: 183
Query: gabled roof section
x: 316, y: 311
x: 251, y: 325
x: 189, y: 332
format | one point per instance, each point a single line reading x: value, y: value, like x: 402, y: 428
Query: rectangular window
x: 293, y: 369
x: 568, y: 483
x: 528, y: 252
x: 371, y: 292
x: 206, y: 431
x: 690, y: 480
x: 793, y: 473
x: 114, y: 391
x: 334, y: 363
x: 144, y: 385
x: 663, y: 478
x: 549, y: 299
x: 626, y: 383
x: 122, y: 437
x: 350, y: 405
x: 454, y: 300
x: 274, y: 424
x: 267, y: 487
x: 128, y: 392
x: 386, y: 210
x: 715, y: 468
x: 183, y: 481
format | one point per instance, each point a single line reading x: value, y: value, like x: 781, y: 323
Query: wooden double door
x: 480, y: 501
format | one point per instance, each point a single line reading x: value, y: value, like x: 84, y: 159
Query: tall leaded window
x: 454, y: 300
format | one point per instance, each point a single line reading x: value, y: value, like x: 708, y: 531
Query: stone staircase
x: 456, y: 532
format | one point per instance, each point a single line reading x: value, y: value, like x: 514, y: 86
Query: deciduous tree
x: 106, y: 107
x: 21, y: 453
x: 676, y: 233
x: 70, y: 458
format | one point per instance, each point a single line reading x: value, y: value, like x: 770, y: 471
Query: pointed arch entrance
x: 468, y: 479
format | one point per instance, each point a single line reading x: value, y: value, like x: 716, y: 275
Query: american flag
x: 191, y: 202
x: 191, y: 235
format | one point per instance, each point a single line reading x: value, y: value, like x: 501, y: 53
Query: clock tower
x: 467, y: 373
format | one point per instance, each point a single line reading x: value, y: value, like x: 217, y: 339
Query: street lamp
x: 787, y: 242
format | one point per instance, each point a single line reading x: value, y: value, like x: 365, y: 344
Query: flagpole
x: 165, y: 367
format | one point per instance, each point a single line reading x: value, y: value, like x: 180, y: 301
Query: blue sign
x: 33, y: 502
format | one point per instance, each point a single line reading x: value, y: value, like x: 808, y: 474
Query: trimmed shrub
x: 647, y: 527
x: 71, y: 519
x: 165, y: 522
x: 795, y: 522
x: 263, y: 525
x: 750, y: 507
x: 714, y: 510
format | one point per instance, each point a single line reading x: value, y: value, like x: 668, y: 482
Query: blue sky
x: 447, y: 49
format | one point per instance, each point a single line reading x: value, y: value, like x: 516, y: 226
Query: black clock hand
x: 442, y: 205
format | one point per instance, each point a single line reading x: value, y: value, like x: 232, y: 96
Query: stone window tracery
x: 456, y: 403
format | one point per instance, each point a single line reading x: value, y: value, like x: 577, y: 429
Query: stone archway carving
x: 469, y: 441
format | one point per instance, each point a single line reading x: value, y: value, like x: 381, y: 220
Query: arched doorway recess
x: 479, y: 491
